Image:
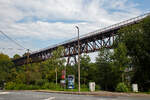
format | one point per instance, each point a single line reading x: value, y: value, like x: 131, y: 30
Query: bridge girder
x: 71, y: 50
x: 91, y: 42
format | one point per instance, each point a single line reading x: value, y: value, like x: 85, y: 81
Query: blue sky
x: 143, y: 4
x: 38, y: 24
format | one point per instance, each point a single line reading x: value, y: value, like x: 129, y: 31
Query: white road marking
x: 50, y: 98
x: 4, y: 92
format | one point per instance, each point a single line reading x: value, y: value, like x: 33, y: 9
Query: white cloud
x: 55, y: 19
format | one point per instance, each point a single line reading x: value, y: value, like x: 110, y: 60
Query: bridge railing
x: 123, y: 23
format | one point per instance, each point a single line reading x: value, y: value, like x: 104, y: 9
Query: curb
x: 100, y: 93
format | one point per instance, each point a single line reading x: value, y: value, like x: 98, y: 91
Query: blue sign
x: 71, y: 81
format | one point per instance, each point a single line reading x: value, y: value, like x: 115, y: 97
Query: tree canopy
x: 5, y: 66
x: 137, y: 41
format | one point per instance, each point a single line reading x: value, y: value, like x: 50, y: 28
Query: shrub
x: 121, y: 87
x: 32, y: 87
x: 15, y: 86
x: 45, y: 86
x: 84, y: 86
x: 10, y: 86
x: 97, y: 87
x: 50, y: 86
x: 40, y: 82
x: 149, y: 91
x: 20, y: 87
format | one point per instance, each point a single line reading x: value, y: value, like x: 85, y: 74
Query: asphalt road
x: 28, y: 95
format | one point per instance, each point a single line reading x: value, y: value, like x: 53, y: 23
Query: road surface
x: 29, y: 95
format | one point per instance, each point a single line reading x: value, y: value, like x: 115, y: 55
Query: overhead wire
x: 12, y: 49
x: 12, y: 40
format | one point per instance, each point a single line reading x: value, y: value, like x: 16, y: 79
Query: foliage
x: 15, y: 86
x: 16, y: 56
x: 85, y: 68
x: 121, y: 59
x: 97, y: 87
x: 54, y: 65
x: 121, y: 87
x: 10, y: 86
x: 107, y: 74
x: 41, y: 82
x: 51, y: 86
x: 5, y: 66
x: 136, y: 38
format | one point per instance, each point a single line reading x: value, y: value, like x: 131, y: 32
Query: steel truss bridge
x: 90, y: 42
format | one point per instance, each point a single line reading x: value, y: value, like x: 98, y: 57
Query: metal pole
x: 27, y: 56
x: 78, y: 60
x: 27, y: 67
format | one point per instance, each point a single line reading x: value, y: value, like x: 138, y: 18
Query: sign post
x: 63, y: 81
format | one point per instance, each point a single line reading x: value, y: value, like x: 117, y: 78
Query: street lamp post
x: 78, y: 60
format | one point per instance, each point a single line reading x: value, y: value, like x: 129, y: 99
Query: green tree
x: 136, y: 39
x: 71, y: 70
x: 107, y: 74
x: 121, y: 59
x: 5, y: 67
x: 16, y: 56
x: 85, y: 68
x: 92, y: 73
x: 54, y: 65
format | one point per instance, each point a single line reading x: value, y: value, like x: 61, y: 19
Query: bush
x: 15, y: 86
x: 84, y: 86
x: 50, y: 86
x: 32, y: 87
x: 10, y: 86
x: 20, y: 87
x: 121, y: 87
x: 97, y: 87
x: 40, y: 82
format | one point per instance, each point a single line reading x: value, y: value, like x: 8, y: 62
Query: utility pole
x: 65, y: 76
x: 27, y: 67
x: 27, y: 56
x: 78, y: 60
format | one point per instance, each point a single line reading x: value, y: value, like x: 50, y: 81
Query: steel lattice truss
x: 90, y: 42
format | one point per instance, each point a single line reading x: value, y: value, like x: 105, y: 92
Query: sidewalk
x: 98, y: 93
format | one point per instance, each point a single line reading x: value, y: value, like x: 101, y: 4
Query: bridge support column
x: 68, y: 60
x: 75, y: 59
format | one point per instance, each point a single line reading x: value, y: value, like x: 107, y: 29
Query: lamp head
x: 77, y: 27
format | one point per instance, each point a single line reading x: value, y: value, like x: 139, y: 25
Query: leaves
x: 136, y: 40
